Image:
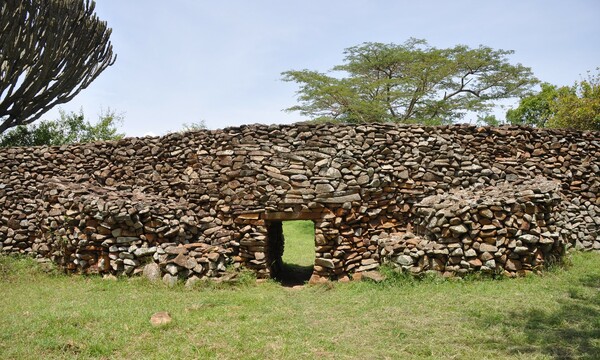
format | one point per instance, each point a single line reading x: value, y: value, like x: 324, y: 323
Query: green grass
x: 54, y: 316
x: 299, y: 252
x: 299, y: 242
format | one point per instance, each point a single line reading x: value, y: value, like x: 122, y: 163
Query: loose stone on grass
x: 160, y: 318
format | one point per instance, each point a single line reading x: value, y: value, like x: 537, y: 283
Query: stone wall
x: 509, y: 228
x: 196, y: 202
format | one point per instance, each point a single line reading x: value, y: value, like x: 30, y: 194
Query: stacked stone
x: 89, y: 230
x: 253, y: 251
x: 582, y: 228
x: 227, y: 188
x: 509, y: 229
x: 192, y: 261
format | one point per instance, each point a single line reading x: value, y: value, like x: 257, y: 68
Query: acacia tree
x: 411, y: 82
x: 49, y: 51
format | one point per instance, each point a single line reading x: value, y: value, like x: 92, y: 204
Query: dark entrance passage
x: 291, y: 250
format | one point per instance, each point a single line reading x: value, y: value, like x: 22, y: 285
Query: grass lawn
x: 299, y: 243
x: 554, y: 316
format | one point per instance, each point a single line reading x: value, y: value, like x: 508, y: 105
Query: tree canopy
x: 411, y: 82
x: 536, y: 109
x: 575, y: 107
x: 70, y: 128
x: 49, y: 51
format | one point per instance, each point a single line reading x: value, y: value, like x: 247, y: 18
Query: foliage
x: 70, y: 128
x: 194, y: 126
x: 536, y: 109
x: 411, y: 82
x: 576, y: 107
x: 553, y: 316
x: 580, y: 107
x: 50, y: 50
x: 489, y: 120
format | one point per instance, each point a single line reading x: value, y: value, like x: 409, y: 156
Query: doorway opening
x: 291, y: 251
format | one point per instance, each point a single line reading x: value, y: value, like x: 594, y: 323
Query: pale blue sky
x: 182, y: 61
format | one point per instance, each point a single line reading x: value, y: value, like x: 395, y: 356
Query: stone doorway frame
x: 255, y: 248
x: 275, y: 241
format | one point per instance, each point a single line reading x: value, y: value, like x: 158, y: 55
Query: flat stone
x: 475, y: 262
x: 546, y: 241
x: 213, y: 257
x: 404, y: 260
x: 459, y: 229
x: 486, y: 256
x: 470, y: 253
x: 369, y: 261
x: 169, y: 280
x: 512, y: 265
x: 126, y: 239
x: 160, y: 318
x: 298, y: 177
x: 180, y: 260
x: 521, y: 250
x: 316, y: 279
x: 457, y: 252
x: 324, y: 188
x: 141, y: 252
x: 487, y: 248
x: 172, y: 269
x: 363, y: 179
x: 280, y: 149
x: 530, y: 239
x: 175, y: 250
x: 375, y: 276
x: 331, y: 173
x: 191, y: 263
x: 131, y: 262
x: 198, y: 269
x: 326, y: 263
x: 340, y: 199
x: 368, y: 267
x: 357, y: 276
x: 486, y: 213
x: 491, y: 264
x: 152, y: 272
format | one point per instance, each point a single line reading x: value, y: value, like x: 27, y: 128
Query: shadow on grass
x: 571, y: 332
x: 292, y: 274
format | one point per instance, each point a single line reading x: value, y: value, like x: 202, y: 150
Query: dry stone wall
x: 193, y: 203
x: 509, y: 229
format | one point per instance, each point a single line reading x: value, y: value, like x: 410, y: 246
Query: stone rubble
x: 160, y: 318
x: 508, y: 229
